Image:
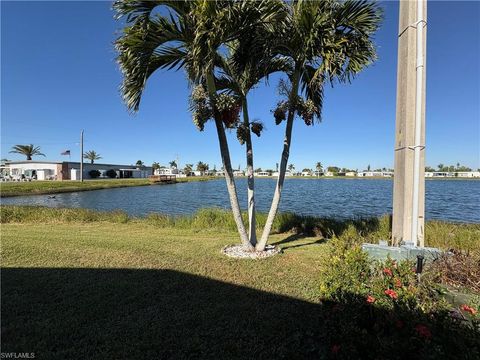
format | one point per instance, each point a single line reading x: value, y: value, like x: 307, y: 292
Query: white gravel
x: 241, y: 252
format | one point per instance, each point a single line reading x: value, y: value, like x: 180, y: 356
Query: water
x: 448, y: 200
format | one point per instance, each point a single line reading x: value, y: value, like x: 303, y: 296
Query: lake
x: 449, y: 200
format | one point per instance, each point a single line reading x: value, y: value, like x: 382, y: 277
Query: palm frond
x: 140, y: 10
x: 143, y: 49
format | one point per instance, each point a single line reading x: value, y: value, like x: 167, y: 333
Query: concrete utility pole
x: 81, y: 156
x: 409, y: 180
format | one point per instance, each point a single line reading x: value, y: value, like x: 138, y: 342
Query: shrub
x: 379, y: 310
x: 111, y: 173
x: 94, y: 174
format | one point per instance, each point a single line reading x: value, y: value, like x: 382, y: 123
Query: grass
x: 55, y: 187
x: 84, y: 284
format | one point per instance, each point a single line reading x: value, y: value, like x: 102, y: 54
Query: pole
x: 418, y: 121
x: 81, y: 156
x: 409, y: 180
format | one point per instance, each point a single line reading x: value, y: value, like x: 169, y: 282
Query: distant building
x: 375, y: 174
x: 166, y: 171
x: 238, y: 173
x: 451, y: 174
x: 68, y: 170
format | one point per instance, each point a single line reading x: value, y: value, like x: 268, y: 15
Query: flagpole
x: 81, y: 156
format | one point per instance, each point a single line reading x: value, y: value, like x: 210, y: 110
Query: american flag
x: 66, y: 152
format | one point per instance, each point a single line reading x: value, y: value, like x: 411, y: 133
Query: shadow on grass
x: 324, y: 228
x: 295, y: 237
x: 163, y: 314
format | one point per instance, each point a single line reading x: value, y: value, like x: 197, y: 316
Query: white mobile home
x: 68, y: 170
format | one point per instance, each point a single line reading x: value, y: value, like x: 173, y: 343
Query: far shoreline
x: 15, y: 189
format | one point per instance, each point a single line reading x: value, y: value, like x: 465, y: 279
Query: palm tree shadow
x: 295, y: 237
x: 316, y: 242
x: 323, y: 228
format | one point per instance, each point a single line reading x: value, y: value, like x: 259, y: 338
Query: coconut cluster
x: 306, y: 109
x: 200, y: 107
x: 257, y: 128
x: 242, y: 132
x: 227, y: 108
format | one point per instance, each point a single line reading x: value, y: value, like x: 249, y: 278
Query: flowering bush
x: 379, y: 310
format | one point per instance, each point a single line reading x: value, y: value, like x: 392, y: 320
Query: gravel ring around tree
x: 241, y: 252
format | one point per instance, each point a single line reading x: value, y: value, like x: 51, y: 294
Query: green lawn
x: 54, y: 187
x: 110, y: 287
x: 108, y: 291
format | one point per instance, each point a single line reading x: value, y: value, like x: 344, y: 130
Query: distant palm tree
x: 291, y: 167
x: 27, y: 150
x: 202, y: 167
x: 318, y: 167
x: 188, y: 169
x: 155, y: 166
x: 173, y: 164
x: 139, y: 163
x: 92, y: 156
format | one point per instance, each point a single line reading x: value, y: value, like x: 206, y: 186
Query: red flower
x: 370, y: 299
x: 391, y: 293
x: 423, y: 331
x: 335, y: 349
x: 387, y: 271
x: 398, y: 283
x: 468, y: 309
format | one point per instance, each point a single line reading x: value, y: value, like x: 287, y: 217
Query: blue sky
x: 58, y: 76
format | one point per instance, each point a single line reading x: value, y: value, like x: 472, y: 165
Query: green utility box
x: 403, y: 252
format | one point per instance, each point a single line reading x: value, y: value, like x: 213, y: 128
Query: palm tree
x: 188, y: 169
x: 27, y: 150
x: 325, y: 41
x: 240, y: 72
x: 155, y: 166
x: 173, y: 164
x: 192, y: 36
x: 202, y: 167
x: 318, y: 167
x: 291, y: 167
x: 440, y: 167
x: 92, y: 156
x: 139, y: 164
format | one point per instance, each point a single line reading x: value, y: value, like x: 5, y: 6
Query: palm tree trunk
x: 251, y: 180
x: 225, y: 154
x: 283, y: 167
